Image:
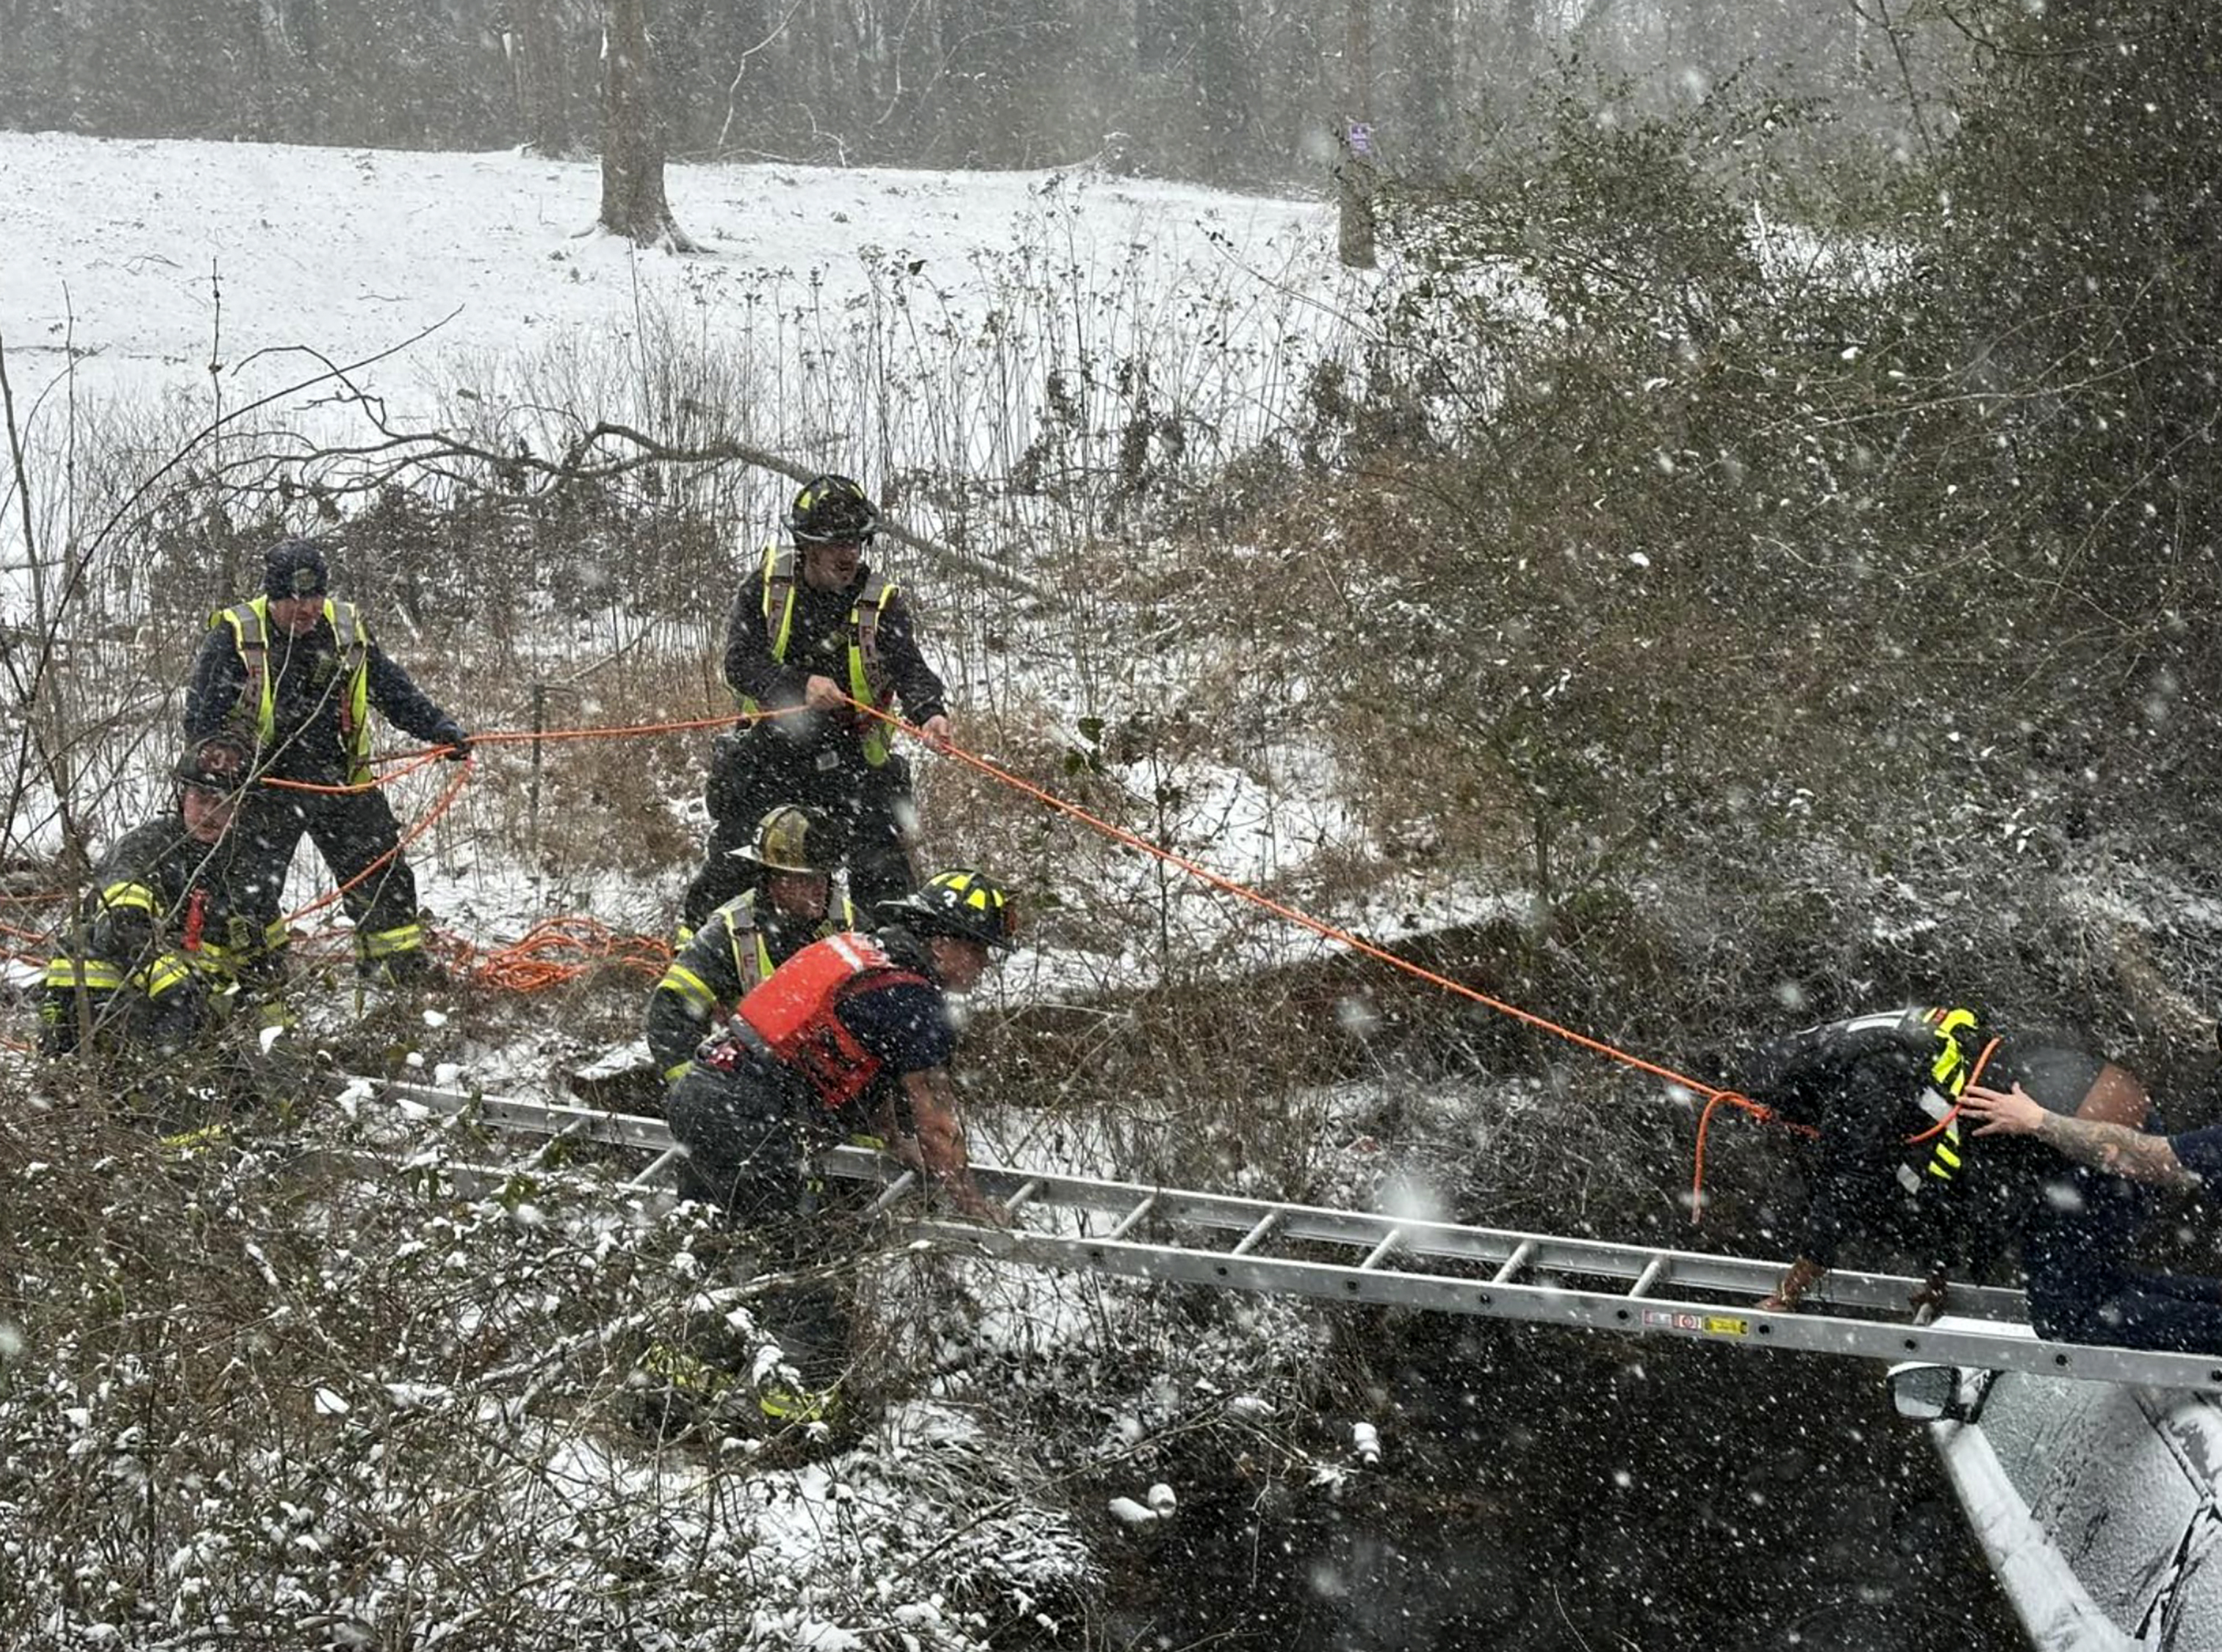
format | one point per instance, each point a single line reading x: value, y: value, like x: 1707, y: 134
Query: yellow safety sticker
x: 1702, y: 1324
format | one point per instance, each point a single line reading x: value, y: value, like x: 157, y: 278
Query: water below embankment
x: 1544, y: 1489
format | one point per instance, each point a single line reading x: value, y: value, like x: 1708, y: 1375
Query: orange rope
x: 1318, y: 926
x: 560, y: 949
x: 1975, y: 1076
x: 441, y: 806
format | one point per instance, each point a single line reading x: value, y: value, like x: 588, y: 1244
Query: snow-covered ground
x: 207, y: 270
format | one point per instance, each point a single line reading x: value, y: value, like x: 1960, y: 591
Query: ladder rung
x: 893, y: 1190
x: 1654, y: 1270
x: 1522, y: 1254
x: 1389, y: 1241
x: 1256, y: 1236
x: 659, y: 1169
x: 1127, y: 1221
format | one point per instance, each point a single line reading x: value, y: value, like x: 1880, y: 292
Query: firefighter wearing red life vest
x: 295, y: 675
x: 852, y: 1034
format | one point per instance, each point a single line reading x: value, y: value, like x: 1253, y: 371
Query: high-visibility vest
x: 794, y: 1013
x: 868, y: 678
x: 254, y: 715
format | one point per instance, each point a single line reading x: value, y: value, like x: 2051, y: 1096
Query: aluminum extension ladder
x: 1168, y: 1234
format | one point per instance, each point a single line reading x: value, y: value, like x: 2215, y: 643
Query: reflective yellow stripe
x: 684, y: 983
x: 190, y: 1144
x: 385, y: 942
x: 165, y: 973
x: 1948, y: 1155
x: 64, y: 972
x: 685, y: 1371
x: 1949, y: 1060
x: 784, y: 1404
x: 764, y: 966
x: 120, y: 897
x: 354, y: 638
x: 677, y: 1071
x: 860, y: 682
x: 1939, y: 1171
x: 250, y: 634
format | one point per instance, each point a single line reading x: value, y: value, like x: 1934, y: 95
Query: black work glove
x: 450, y: 733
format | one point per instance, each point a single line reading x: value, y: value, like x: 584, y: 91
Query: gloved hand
x: 450, y: 733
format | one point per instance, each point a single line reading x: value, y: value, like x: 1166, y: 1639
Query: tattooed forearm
x: 2117, y: 1150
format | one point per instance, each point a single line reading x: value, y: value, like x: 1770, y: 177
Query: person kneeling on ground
x: 789, y: 905
x: 2135, y: 1307
x: 852, y: 1034
x: 167, y: 945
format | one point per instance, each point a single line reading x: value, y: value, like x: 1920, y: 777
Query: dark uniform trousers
x: 2081, y: 1290
x: 748, y: 1150
x: 351, y: 830
x: 755, y: 771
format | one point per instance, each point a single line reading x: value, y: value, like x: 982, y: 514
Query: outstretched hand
x: 2004, y: 1112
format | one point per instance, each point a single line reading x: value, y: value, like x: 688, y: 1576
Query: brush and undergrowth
x: 1683, y: 634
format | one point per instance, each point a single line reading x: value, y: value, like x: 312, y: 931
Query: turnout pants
x: 756, y: 771
x: 749, y: 1153
x: 350, y: 830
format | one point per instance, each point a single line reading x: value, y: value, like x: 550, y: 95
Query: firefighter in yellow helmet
x: 789, y: 903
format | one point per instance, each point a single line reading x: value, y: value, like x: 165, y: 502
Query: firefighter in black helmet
x: 817, y: 631
x: 851, y: 1038
x: 1895, y: 1158
x: 167, y: 944
x: 790, y: 901
x: 295, y: 674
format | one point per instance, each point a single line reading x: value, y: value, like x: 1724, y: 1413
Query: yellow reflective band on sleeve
x: 118, y: 897
x: 385, y: 942
x: 1939, y: 1171
x: 93, y: 974
x: 683, y: 982
x: 677, y: 1071
x: 165, y: 973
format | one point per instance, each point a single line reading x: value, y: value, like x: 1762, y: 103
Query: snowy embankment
x: 896, y: 323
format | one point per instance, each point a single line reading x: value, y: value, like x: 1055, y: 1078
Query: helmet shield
x: 961, y: 903
x: 792, y: 837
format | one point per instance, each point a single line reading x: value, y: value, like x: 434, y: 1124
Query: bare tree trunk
x: 541, y: 55
x: 633, y: 203
x: 1430, y: 57
x: 1353, y: 172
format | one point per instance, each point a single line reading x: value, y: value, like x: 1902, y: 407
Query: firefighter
x: 789, y: 903
x: 814, y: 629
x: 853, y: 1034
x: 296, y: 675
x: 1894, y: 1158
x: 163, y: 948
